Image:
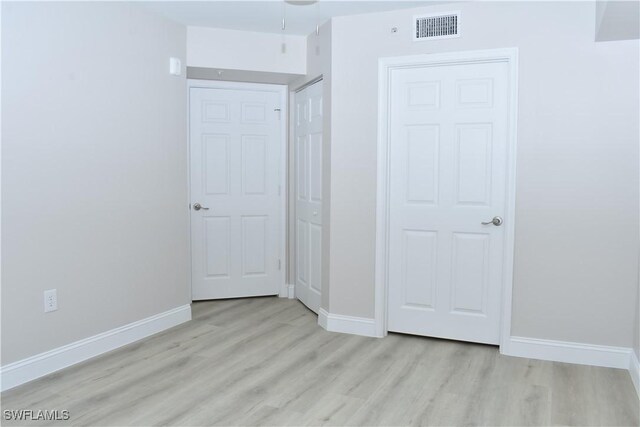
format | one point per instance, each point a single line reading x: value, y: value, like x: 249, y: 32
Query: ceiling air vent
x: 437, y: 26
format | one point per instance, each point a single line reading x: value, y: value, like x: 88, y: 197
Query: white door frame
x: 282, y: 90
x: 385, y: 66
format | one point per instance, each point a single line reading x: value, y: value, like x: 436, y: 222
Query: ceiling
x: 617, y: 20
x: 266, y: 15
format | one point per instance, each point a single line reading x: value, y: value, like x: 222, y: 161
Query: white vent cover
x: 437, y: 26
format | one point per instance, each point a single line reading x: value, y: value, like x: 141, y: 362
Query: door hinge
x: 279, y: 264
x: 279, y: 190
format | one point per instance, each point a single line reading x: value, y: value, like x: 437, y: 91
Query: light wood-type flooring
x: 265, y: 361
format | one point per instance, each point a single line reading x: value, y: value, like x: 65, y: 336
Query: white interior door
x: 308, y: 196
x: 448, y: 174
x: 235, y: 144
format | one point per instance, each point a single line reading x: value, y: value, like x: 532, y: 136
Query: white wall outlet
x: 175, y: 66
x: 50, y: 300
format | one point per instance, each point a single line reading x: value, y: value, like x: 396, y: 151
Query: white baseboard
x: 568, y: 352
x: 28, y: 369
x: 347, y: 324
x: 634, y: 371
x: 287, y: 291
x: 323, y: 316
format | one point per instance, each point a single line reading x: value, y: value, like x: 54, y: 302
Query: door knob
x: 497, y: 221
x: 198, y: 206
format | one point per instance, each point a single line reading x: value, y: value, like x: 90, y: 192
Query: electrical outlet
x: 50, y: 300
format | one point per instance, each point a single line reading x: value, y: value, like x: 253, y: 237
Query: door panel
x: 448, y: 152
x: 469, y: 273
x: 302, y: 259
x: 235, y: 143
x: 473, y: 164
x: 315, y: 167
x: 254, y: 245
x: 215, y: 166
x: 254, y: 165
x: 315, y: 247
x: 218, y: 249
x: 422, y: 164
x: 308, y: 155
x: 419, y: 259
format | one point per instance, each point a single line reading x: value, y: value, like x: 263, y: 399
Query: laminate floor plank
x: 266, y: 362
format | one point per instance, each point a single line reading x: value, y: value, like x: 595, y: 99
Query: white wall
x: 244, y: 50
x: 576, y: 258
x: 94, y: 179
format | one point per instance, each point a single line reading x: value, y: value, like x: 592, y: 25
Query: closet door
x: 448, y: 151
x: 308, y: 195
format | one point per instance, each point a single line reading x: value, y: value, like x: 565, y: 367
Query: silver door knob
x: 198, y: 206
x: 497, y: 221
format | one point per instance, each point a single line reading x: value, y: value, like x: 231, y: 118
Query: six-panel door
x: 448, y: 154
x: 308, y: 194
x: 235, y: 144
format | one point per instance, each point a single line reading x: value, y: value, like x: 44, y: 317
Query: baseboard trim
x: 323, y: 318
x: 22, y: 371
x: 568, y: 352
x: 347, y: 324
x: 287, y: 291
x: 634, y: 371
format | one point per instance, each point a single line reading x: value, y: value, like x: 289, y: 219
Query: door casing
x: 284, y: 117
x: 385, y: 66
